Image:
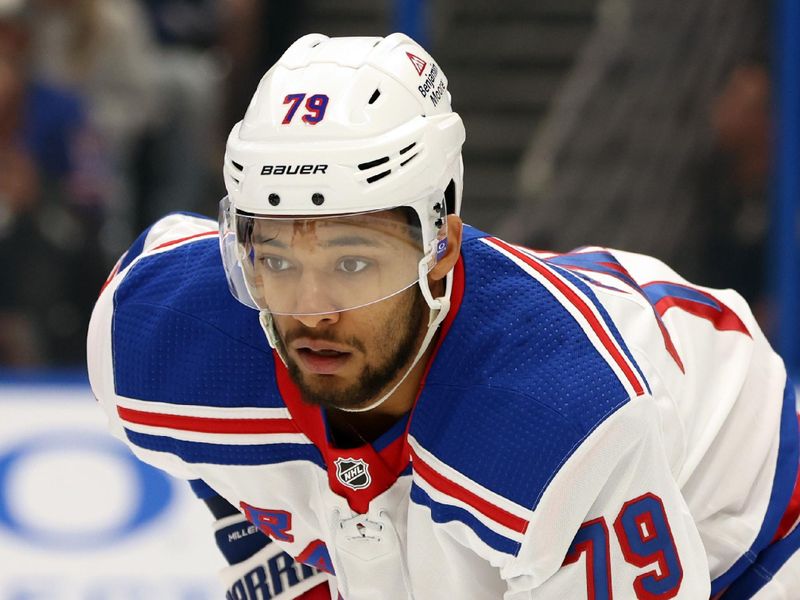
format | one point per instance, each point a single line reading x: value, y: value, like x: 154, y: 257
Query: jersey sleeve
x: 162, y: 236
x: 734, y: 410
x: 612, y: 522
x: 724, y: 400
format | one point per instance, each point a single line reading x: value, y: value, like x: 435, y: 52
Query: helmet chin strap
x: 268, y: 325
x: 439, y: 307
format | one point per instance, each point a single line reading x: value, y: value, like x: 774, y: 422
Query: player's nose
x: 313, y: 302
x: 317, y: 319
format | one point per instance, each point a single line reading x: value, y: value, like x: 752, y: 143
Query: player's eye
x: 276, y: 264
x: 351, y: 264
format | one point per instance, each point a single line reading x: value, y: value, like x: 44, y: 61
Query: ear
x: 455, y: 228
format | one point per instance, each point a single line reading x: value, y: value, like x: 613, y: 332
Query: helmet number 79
x: 315, y: 108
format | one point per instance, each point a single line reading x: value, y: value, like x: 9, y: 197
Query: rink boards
x: 81, y: 519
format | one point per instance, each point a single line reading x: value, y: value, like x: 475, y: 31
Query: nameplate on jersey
x: 353, y: 473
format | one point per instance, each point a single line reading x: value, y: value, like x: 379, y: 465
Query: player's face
x: 346, y: 359
x: 343, y: 358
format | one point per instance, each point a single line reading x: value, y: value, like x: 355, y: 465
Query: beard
x: 374, y: 378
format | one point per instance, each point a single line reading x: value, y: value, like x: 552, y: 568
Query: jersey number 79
x: 645, y: 539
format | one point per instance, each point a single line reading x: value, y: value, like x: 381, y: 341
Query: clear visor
x: 321, y: 265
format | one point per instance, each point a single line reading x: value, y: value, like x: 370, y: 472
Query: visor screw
x: 274, y: 199
x: 317, y: 199
x: 437, y: 207
x: 438, y: 223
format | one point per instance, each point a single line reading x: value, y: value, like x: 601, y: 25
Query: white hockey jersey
x: 590, y: 426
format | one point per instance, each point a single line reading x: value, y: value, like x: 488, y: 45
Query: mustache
x: 321, y: 336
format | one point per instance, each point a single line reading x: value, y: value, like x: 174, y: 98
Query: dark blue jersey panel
x: 580, y: 282
x: 515, y: 385
x: 180, y: 337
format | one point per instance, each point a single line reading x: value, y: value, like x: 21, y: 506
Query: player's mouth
x: 319, y: 357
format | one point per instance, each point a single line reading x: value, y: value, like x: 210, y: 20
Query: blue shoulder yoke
x: 516, y: 385
x: 179, y: 336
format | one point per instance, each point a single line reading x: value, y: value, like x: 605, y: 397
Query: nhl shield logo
x: 353, y: 472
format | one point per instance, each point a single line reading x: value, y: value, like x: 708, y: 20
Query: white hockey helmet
x: 340, y: 132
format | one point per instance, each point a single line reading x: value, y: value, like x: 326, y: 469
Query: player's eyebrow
x: 270, y: 241
x: 350, y: 240
x: 337, y: 242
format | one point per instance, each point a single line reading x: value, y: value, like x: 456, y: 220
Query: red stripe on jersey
x: 207, y: 424
x: 186, y: 239
x: 615, y: 267
x: 583, y: 308
x: 446, y: 486
x: 723, y: 319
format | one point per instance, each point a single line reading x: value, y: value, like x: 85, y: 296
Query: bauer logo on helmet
x: 293, y: 169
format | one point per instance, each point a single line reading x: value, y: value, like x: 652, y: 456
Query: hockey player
x: 400, y: 406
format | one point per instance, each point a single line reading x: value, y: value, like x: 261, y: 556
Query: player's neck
x: 358, y: 428
x: 355, y: 429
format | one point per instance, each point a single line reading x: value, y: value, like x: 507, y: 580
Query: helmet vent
x: 237, y: 166
x: 403, y: 164
x: 236, y: 180
x: 375, y: 95
x: 375, y: 178
x: 373, y: 163
x: 407, y: 148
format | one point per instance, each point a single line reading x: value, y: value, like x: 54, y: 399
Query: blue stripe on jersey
x: 587, y: 291
x: 227, y: 454
x: 515, y: 386
x: 782, y: 488
x: 657, y: 291
x: 597, y: 262
x: 391, y: 434
x: 444, y: 513
x: 179, y: 335
x: 759, y: 574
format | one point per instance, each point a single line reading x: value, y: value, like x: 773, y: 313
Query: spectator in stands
x: 103, y: 50
x: 735, y: 181
x: 51, y: 208
x: 19, y: 191
x: 177, y: 166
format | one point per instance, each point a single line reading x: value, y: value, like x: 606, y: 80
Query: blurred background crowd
x: 112, y: 113
x: 637, y: 124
